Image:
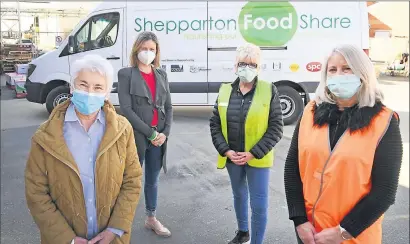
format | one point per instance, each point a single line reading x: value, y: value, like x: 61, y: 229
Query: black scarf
x: 353, y: 118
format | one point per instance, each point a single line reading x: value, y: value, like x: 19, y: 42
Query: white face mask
x: 146, y: 57
x: 246, y: 74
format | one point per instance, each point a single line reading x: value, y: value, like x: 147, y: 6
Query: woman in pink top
x: 145, y: 100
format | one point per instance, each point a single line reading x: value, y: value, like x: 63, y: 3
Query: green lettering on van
x: 182, y: 26
x: 268, y: 23
x: 311, y: 22
x: 260, y: 23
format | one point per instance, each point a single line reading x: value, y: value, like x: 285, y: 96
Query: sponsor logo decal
x: 196, y: 69
x: 314, y: 66
x: 177, y: 68
x: 294, y: 67
x: 277, y: 66
x: 164, y: 67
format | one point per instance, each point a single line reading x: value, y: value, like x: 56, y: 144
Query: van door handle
x: 113, y: 57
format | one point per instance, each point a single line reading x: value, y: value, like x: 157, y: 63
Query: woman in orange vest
x: 342, y: 168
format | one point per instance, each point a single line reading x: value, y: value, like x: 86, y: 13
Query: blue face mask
x: 344, y: 86
x: 87, y: 103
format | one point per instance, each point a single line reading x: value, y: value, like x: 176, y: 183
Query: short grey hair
x: 248, y: 50
x: 361, y: 65
x: 93, y: 63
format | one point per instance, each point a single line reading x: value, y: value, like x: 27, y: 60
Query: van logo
x: 277, y: 66
x: 177, y: 68
x: 263, y: 23
x: 258, y: 20
x: 294, y: 67
x: 314, y: 66
x: 196, y: 69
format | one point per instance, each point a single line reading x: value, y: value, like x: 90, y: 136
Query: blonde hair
x: 141, y: 38
x: 248, y: 50
x: 369, y: 91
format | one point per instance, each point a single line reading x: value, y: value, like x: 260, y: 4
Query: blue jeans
x: 153, y: 164
x: 257, y: 180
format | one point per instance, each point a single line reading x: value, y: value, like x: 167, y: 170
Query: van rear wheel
x: 292, y: 104
x: 57, y: 96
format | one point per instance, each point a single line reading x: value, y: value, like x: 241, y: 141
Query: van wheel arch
x: 293, y: 98
x: 55, y: 90
x: 49, y: 86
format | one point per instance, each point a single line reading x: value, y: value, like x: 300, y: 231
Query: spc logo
x: 314, y: 66
x: 268, y: 23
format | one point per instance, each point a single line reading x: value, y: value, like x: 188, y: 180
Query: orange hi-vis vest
x: 334, y: 181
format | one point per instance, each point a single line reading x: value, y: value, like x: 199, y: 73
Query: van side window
x: 99, y: 32
x: 82, y: 37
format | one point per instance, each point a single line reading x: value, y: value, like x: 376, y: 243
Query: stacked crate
x: 13, y: 54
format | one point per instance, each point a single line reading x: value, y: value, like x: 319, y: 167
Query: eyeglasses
x: 243, y: 65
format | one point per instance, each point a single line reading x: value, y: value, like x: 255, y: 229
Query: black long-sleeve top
x: 384, y: 177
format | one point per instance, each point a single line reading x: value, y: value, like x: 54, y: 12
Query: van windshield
x: 99, y: 32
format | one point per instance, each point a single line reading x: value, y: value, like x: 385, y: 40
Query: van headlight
x: 31, y: 68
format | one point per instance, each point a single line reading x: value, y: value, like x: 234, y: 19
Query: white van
x: 198, y: 42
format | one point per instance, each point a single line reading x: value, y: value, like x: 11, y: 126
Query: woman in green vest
x: 245, y: 127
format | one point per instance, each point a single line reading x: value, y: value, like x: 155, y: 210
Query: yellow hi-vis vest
x: 256, y: 121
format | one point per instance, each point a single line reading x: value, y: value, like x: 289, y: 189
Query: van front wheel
x: 56, y: 96
x: 292, y: 104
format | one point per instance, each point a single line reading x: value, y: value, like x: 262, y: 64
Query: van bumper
x: 34, y: 91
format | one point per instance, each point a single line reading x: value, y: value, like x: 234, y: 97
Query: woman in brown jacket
x: 83, y: 176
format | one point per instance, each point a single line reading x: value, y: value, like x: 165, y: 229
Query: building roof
x: 371, y: 3
x: 376, y: 25
x: 389, y: 16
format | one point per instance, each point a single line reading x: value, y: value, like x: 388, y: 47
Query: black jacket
x: 236, y: 116
x: 138, y: 106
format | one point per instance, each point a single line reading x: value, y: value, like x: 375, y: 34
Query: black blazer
x: 138, y: 107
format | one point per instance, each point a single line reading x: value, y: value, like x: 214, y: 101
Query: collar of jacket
x: 353, y: 118
x: 141, y: 88
x: 235, y: 84
x: 51, y: 138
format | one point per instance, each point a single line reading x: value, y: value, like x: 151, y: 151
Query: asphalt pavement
x: 195, y: 199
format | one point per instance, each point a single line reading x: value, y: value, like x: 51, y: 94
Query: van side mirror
x: 71, y: 44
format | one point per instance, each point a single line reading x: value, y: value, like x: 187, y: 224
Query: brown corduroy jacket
x: 54, y: 190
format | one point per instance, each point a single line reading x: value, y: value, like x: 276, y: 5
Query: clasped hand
x: 308, y: 235
x: 105, y: 237
x: 239, y: 158
x: 159, y: 140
